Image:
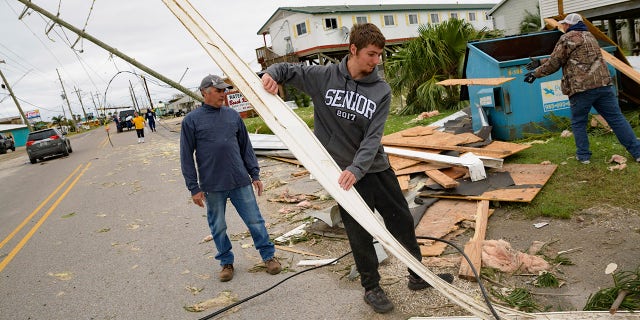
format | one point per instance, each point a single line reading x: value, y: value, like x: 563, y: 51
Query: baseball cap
x: 571, y: 19
x: 214, y: 81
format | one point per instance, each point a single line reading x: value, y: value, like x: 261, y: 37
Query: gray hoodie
x: 349, y: 115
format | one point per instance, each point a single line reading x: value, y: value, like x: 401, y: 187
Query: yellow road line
x: 27, y: 219
x: 33, y: 230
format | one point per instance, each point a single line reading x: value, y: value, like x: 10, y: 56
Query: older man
x: 227, y: 168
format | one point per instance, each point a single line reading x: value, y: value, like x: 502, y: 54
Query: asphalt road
x: 109, y: 232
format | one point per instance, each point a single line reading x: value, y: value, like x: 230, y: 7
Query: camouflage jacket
x: 583, y: 66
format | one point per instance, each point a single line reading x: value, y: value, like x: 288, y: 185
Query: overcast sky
x: 142, y: 29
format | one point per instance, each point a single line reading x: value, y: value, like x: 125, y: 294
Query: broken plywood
x: 473, y: 248
x: 528, y: 178
x: 432, y: 141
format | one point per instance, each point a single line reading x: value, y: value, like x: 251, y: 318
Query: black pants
x: 140, y: 133
x: 380, y: 191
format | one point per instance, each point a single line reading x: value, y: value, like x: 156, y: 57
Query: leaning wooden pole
x: 306, y: 147
x: 113, y: 50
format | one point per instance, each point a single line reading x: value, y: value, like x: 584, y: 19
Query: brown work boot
x: 273, y: 266
x: 226, y: 273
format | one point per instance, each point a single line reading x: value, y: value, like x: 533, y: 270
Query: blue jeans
x: 605, y: 102
x: 244, y: 200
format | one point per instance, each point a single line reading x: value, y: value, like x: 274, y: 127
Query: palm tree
x: 57, y: 120
x: 436, y: 54
x: 530, y: 22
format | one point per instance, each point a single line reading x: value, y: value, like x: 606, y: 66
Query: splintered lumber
x: 477, y: 82
x: 473, y: 248
x: 529, y: 180
x: 442, y: 179
x: 403, y: 180
x: 422, y: 167
x: 469, y: 160
x: 437, y: 139
x: 309, y: 151
x: 283, y: 248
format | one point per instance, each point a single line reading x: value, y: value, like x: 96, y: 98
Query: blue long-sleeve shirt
x: 223, y: 153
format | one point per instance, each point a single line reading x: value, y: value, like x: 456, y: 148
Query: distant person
x: 138, y: 122
x: 128, y: 121
x: 151, y: 119
x: 351, y: 106
x: 587, y: 82
x: 225, y: 167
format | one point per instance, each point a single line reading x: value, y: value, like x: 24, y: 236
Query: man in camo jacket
x: 587, y: 82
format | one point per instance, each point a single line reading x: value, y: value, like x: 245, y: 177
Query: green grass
x: 572, y: 187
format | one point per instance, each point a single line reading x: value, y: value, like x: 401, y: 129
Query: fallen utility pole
x: 15, y: 100
x: 115, y: 51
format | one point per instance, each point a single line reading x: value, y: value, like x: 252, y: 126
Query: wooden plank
x: 306, y: 253
x: 530, y: 176
x: 476, y: 82
x: 472, y: 162
x: 418, y: 131
x: 436, y: 140
x: 421, y: 167
x: 477, y: 151
x: 504, y: 149
x: 403, y: 180
x: 305, y: 146
x: 442, y: 179
x: 398, y: 163
x: 473, y: 248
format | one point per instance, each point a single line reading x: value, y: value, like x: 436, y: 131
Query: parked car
x: 6, y: 143
x: 46, y: 143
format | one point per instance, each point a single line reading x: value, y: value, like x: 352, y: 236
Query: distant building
x: 508, y: 15
x: 320, y: 34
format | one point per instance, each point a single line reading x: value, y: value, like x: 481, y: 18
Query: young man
x: 227, y: 168
x: 351, y: 104
x: 587, y: 82
x: 138, y: 122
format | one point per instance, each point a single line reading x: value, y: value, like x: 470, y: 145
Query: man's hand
x: 533, y: 64
x: 346, y: 180
x: 529, y: 77
x: 269, y: 84
x: 198, y: 199
x: 257, y: 185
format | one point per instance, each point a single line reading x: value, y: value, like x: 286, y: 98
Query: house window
x: 435, y: 19
x: 472, y: 16
x: 388, y: 20
x: 361, y: 19
x: 454, y: 15
x: 330, y: 23
x: 413, y: 18
x: 301, y: 28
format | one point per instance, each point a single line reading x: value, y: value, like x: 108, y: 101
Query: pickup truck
x: 6, y: 143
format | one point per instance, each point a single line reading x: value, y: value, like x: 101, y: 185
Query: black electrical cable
x: 475, y: 274
x: 268, y: 289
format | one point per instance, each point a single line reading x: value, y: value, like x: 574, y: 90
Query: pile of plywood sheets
x: 430, y: 139
x: 443, y: 219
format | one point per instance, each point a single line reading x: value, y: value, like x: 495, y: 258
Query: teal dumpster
x: 515, y: 108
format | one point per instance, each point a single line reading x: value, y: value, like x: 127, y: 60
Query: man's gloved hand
x: 529, y: 77
x: 533, y: 64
